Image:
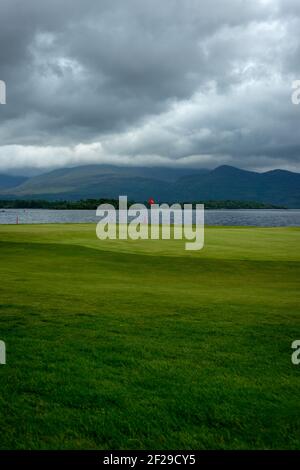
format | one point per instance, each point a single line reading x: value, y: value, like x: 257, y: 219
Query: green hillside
x: 276, y: 187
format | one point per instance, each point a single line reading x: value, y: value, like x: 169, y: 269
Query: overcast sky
x: 196, y: 83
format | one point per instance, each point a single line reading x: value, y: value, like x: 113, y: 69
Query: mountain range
x: 9, y: 181
x: 278, y: 187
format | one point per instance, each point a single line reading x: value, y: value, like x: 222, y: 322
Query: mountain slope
x: 225, y: 182
x: 76, y: 177
x: 100, y: 181
x: 9, y: 181
x: 277, y: 187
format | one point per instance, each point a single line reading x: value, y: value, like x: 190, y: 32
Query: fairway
x: 143, y: 345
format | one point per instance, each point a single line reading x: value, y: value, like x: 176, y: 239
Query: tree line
x: 92, y: 204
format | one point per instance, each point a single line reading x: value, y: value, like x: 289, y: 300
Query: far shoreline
x: 92, y: 204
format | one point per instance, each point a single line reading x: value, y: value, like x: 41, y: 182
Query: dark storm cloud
x: 183, y: 82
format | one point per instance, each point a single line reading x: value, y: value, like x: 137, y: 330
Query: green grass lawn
x: 143, y: 345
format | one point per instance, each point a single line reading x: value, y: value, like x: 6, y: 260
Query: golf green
x: 143, y: 345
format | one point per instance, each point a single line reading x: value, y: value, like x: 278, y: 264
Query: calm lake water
x: 249, y: 217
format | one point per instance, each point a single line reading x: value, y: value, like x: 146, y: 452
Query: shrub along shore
x: 92, y: 204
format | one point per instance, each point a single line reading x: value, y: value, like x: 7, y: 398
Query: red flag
x: 151, y: 201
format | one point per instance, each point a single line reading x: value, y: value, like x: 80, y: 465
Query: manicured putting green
x: 142, y: 345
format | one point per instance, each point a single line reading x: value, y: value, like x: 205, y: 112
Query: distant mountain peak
x: 278, y: 171
x: 228, y: 169
x: 226, y: 182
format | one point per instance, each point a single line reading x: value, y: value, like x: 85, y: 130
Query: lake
x: 248, y: 217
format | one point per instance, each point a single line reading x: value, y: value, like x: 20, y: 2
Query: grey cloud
x: 176, y: 82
